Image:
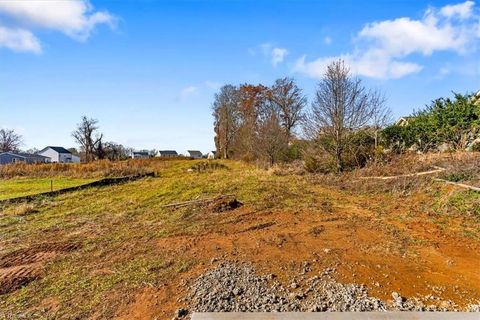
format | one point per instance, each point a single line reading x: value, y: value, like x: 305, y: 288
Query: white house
x: 195, y: 154
x: 59, y: 154
x: 211, y: 155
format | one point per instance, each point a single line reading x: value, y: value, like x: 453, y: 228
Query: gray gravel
x: 233, y: 287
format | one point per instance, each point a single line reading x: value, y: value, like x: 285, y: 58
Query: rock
x: 237, y: 291
x: 396, y: 296
x: 271, y: 276
x: 180, y: 313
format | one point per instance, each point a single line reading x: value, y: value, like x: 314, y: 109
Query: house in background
x: 59, y: 155
x: 195, y: 154
x: 21, y: 157
x: 140, y: 155
x: 403, y: 121
x: 211, y: 155
x: 167, y: 154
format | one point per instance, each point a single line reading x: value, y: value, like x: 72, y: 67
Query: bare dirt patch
x: 223, y: 204
x: 20, y: 267
x: 364, y: 251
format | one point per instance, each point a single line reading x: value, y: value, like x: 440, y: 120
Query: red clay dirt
x: 414, y: 259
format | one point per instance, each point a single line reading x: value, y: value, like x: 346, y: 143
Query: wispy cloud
x: 75, y: 18
x: 19, y: 40
x: 188, y: 92
x: 382, y: 47
x: 276, y: 54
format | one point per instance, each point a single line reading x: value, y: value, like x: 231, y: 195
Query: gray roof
x: 24, y: 155
x: 194, y: 152
x: 30, y: 155
x: 172, y: 152
x: 57, y: 149
x: 11, y: 153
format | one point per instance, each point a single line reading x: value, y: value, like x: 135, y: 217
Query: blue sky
x: 148, y: 70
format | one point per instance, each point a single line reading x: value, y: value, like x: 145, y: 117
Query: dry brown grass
x: 96, y: 169
x: 411, y: 163
x: 461, y: 165
x: 294, y: 168
x: 24, y: 209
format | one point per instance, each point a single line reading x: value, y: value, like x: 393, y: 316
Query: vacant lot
x: 120, y: 252
x: 12, y: 188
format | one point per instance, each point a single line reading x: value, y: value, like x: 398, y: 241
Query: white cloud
x: 19, y: 40
x: 278, y: 55
x: 381, y: 47
x: 327, y: 40
x: 75, y: 18
x: 371, y: 64
x: 188, y: 92
x: 461, y: 10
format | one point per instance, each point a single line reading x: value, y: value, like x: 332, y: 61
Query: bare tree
x: 272, y: 141
x: 10, y: 140
x: 342, y: 105
x: 289, y: 101
x: 87, y: 137
x: 225, y: 112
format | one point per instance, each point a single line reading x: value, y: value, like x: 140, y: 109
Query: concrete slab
x: 337, y: 316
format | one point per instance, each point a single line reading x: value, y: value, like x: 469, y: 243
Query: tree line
x: 346, y: 124
x: 257, y: 122
x: 272, y: 124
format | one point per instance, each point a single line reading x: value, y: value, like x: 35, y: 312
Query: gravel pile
x: 231, y: 287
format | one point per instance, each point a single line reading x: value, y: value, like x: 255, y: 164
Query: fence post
x: 51, y: 185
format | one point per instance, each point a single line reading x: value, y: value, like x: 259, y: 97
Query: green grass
x: 465, y: 202
x: 117, y: 227
x: 12, y: 188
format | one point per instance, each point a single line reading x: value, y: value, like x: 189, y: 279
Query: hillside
x: 118, y: 252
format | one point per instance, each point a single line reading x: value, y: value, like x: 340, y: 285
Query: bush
x: 361, y: 149
x: 444, y: 121
x: 320, y: 163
